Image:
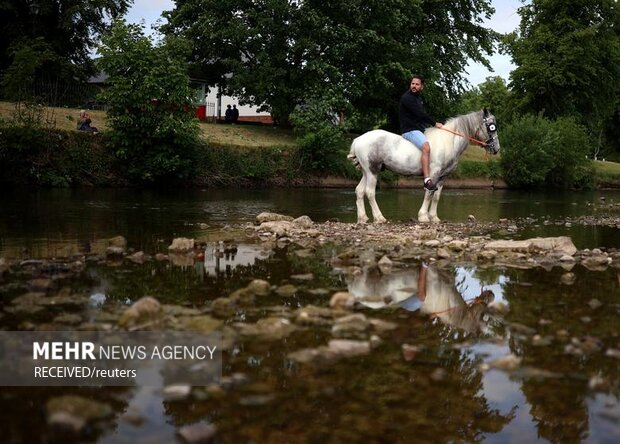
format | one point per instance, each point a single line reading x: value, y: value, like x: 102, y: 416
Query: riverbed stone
x: 270, y: 329
x: 343, y: 300
x: 182, y: 244
x: 596, y: 262
x: 75, y: 412
x: 335, y: 350
x: 272, y: 217
x: 286, y: 290
x: 259, y: 287
x: 303, y: 222
x: 144, y: 310
x: 198, y: 433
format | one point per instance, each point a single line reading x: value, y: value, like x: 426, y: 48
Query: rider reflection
x: 426, y: 289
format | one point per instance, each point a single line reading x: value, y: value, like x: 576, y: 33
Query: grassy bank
x: 231, y: 155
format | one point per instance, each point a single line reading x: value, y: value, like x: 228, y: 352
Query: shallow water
x: 428, y: 380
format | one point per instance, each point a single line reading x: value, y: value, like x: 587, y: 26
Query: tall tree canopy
x: 567, y: 54
x: 57, y: 34
x: 359, y: 53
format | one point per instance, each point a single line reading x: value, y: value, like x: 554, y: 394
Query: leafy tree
x: 50, y: 40
x: 153, y: 128
x: 280, y: 52
x: 567, y: 54
x: 492, y: 94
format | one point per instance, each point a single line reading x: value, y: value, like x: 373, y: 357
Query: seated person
x: 83, y: 123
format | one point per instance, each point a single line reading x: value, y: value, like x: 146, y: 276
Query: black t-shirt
x: 412, y: 114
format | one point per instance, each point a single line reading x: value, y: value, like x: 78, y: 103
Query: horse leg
x: 360, y: 190
x: 423, y: 212
x: 371, y: 185
x: 433, y: 211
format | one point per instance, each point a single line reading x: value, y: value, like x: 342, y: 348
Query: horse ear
x: 485, y: 111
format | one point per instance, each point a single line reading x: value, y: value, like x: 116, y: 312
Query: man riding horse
x: 413, y: 121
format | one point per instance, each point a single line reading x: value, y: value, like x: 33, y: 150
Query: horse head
x: 492, y: 139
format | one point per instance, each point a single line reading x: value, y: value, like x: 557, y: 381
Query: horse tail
x: 352, y: 157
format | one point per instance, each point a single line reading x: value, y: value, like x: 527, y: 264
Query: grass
x: 245, y: 136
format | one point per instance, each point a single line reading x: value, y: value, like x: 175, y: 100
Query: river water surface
x: 482, y: 354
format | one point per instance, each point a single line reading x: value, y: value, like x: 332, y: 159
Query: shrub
x: 537, y: 152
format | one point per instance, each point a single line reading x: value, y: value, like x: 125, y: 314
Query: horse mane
x: 465, y: 123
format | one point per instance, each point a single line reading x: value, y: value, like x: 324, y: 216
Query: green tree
x: 492, y: 94
x: 280, y: 52
x: 567, y: 54
x: 154, y: 131
x: 68, y: 29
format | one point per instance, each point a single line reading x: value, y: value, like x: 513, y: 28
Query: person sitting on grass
x: 83, y: 123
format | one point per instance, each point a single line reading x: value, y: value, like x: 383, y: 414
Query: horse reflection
x: 428, y: 289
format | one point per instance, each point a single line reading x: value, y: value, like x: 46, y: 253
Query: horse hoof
x: 381, y: 221
x: 424, y: 219
x: 362, y: 221
x: 435, y: 220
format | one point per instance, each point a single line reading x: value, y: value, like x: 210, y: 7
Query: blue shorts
x: 416, y: 137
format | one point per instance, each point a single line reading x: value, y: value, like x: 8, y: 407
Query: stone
x: 259, y: 287
x: 342, y: 299
x: 198, y: 433
x: 182, y: 244
x: 177, y: 392
x: 268, y: 328
x: 509, y: 362
x: 75, y: 412
x: 279, y: 228
x: 272, y: 217
x: 137, y: 258
x: 144, y: 310
x: 303, y: 222
x: 385, y: 265
x: 286, y: 291
x: 568, y: 278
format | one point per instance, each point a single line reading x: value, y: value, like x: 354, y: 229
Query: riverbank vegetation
x: 555, y: 115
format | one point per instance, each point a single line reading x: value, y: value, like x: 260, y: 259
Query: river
x: 459, y: 351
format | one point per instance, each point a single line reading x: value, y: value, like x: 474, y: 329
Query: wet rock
x: 385, y: 264
x: 541, y: 341
x: 596, y: 262
x: 343, y: 300
x: 177, y: 392
x: 198, y: 433
x: 381, y: 326
x: 160, y: 257
x: 303, y: 222
x: 410, y: 351
x: 41, y: 284
x: 509, y: 245
x: 613, y: 353
x: 487, y: 255
x: 302, y: 277
x: 594, y: 303
x: 567, y: 258
x: 202, y: 324
x: 336, y: 349
x: 457, y: 245
x: 312, y: 315
x: 443, y: 253
x: 75, y: 412
x: 182, y: 244
x: 286, y: 291
x: 568, y: 279
x: 118, y: 241
x: 561, y: 244
x: 509, y: 362
x: 272, y: 217
x: 68, y: 318
x: 267, y: 328
x: 223, y: 307
x: 137, y: 258
x: 439, y: 374
x: 144, y: 310
x: 259, y: 287
x: 432, y: 243
x: 279, y: 228
x: 353, y: 325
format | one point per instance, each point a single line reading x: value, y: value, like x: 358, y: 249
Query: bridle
x: 491, y: 128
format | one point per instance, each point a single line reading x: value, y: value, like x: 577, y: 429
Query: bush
x: 154, y: 131
x: 322, y: 146
x: 537, y: 152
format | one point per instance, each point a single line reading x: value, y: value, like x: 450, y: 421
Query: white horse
x: 376, y: 149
